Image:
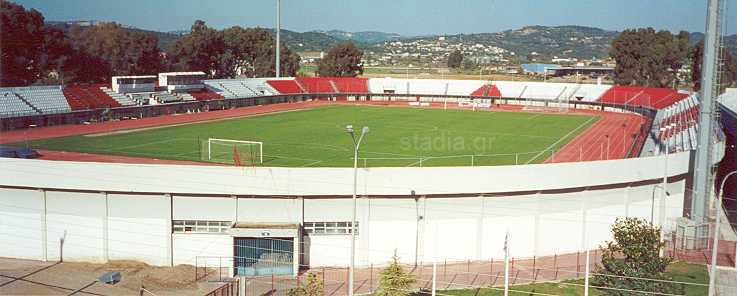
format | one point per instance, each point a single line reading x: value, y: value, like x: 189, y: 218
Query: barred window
x: 200, y: 226
x: 328, y: 228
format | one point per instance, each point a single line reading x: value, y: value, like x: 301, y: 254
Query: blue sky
x: 415, y: 17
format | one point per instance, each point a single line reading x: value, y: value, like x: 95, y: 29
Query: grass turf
x: 316, y: 137
x: 679, y: 271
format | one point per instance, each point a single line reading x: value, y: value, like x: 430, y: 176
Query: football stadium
x: 254, y: 176
x: 258, y: 182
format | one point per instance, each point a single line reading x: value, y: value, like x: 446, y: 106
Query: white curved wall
x: 117, y: 211
x: 523, y: 89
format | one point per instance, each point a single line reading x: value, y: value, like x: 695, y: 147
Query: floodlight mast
x: 356, y: 146
x: 278, y: 40
x: 703, y: 186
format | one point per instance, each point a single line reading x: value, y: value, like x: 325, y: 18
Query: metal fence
x: 450, y: 274
x: 698, y: 249
x: 229, y: 288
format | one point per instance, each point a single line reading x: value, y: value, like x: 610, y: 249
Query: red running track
x: 608, y: 138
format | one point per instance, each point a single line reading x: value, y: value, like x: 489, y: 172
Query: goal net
x: 236, y: 152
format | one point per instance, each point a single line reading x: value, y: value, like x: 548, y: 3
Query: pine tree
x: 313, y: 287
x: 394, y: 281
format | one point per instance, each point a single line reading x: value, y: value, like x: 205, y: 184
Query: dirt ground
x: 30, y: 277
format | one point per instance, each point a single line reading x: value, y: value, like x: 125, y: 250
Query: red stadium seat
x: 487, y: 91
x: 658, y: 98
x: 205, y: 95
x: 316, y: 84
x: 81, y: 97
x: 285, y: 86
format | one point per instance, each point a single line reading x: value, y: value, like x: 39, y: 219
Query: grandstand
x: 41, y: 99
x: 120, y: 98
x: 204, y: 95
x: 240, y: 88
x: 286, y: 86
x: 642, y: 96
x: 88, y: 97
x: 350, y: 85
x: 317, y: 85
x: 13, y: 106
x: 487, y: 90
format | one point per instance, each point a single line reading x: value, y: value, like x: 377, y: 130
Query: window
x: 199, y: 226
x: 328, y: 228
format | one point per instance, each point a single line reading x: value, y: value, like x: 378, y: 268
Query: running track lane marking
x: 561, y: 139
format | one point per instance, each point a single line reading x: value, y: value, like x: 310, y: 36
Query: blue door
x: 263, y: 256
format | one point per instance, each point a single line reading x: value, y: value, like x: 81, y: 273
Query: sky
x: 406, y: 17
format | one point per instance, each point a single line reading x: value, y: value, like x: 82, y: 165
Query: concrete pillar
x: 170, y: 229
x: 106, y: 230
x: 627, y: 200
x: 480, y: 229
x: 584, y: 235
x: 44, y: 228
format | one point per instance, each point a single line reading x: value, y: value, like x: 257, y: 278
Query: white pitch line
x: 123, y: 148
x: 312, y: 163
x: 561, y: 139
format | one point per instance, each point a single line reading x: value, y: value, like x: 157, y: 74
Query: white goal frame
x: 260, y: 146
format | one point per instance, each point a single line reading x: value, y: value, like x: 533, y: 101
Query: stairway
x: 335, y: 87
x: 27, y: 103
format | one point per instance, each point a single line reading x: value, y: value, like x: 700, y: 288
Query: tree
x: 201, y: 50
x: 648, y: 58
x: 229, y: 53
x: 313, y: 287
x: 343, y: 60
x: 61, y: 62
x: 455, y: 59
x: 632, y: 258
x: 21, y: 42
x: 729, y: 67
x: 394, y: 281
x: 127, y: 52
x: 469, y: 65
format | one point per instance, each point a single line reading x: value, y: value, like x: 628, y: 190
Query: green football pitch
x: 317, y: 138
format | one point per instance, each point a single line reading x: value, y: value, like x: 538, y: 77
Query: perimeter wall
x: 106, y: 211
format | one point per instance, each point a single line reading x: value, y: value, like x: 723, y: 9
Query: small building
x: 174, y: 81
x: 538, y: 68
x: 134, y: 84
x: 593, y: 71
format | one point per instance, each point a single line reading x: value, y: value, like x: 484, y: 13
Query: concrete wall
x: 105, y: 212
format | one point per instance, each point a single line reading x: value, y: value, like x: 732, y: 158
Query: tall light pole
x: 356, y: 145
x: 278, y: 40
x: 715, y: 245
x: 665, y: 130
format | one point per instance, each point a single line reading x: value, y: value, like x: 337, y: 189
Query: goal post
x: 235, y: 152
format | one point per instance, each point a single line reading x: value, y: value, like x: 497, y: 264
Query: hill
x: 362, y: 37
x: 546, y: 41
